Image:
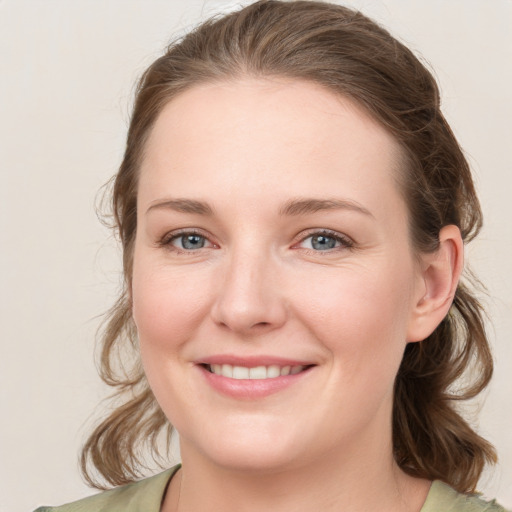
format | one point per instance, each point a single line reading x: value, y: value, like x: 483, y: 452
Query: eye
x: 189, y: 241
x: 185, y: 241
x: 325, y: 241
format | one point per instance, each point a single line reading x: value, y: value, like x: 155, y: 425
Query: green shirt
x: 147, y: 496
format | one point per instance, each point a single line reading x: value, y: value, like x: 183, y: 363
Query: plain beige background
x: 66, y: 80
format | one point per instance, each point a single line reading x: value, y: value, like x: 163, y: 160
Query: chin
x: 253, y: 459
x: 253, y: 447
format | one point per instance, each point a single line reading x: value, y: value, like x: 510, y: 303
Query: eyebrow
x: 293, y: 207
x: 307, y: 206
x: 183, y: 206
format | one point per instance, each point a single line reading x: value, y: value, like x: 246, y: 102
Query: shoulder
x: 145, y: 495
x: 443, y: 497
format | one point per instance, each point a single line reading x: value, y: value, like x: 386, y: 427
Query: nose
x: 249, y: 299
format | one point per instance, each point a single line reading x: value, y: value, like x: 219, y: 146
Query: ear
x: 440, y: 273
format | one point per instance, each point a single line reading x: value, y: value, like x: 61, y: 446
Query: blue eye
x: 325, y: 241
x: 189, y: 241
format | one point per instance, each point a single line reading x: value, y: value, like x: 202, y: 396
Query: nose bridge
x: 248, y: 295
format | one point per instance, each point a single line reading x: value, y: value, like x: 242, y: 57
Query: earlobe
x: 440, y: 273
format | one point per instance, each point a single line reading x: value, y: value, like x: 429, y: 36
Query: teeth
x: 257, y: 372
x: 295, y: 369
x: 285, y: 370
x: 273, y: 372
x: 240, y: 372
x: 260, y: 372
x: 227, y: 370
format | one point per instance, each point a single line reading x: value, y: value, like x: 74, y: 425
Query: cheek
x: 167, y: 307
x: 361, y: 315
x: 167, y: 310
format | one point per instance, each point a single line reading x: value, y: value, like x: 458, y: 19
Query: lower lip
x: 251, y: 388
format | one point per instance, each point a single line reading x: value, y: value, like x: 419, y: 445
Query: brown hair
x: 350, y: 55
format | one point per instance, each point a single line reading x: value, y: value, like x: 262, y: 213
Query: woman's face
x: 273, y: 280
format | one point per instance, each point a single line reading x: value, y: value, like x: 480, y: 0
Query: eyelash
x: 344, y: 241
x: 168, y: 238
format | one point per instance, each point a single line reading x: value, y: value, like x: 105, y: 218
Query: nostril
x: 261, y: 324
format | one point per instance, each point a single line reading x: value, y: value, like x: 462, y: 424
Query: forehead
x: 272, y: 133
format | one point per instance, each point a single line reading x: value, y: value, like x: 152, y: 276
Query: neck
x: 357, y: 483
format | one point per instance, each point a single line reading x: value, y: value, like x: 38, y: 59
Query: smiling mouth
x: 256, y: 372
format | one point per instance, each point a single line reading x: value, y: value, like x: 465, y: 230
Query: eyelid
x: 345, y: 241
x: 167, y: 239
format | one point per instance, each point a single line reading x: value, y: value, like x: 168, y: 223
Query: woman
x: 293, y: 207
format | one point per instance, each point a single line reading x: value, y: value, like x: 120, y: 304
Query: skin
x: 260, y: 285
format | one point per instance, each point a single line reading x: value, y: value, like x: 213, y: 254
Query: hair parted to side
x: 350, y: 55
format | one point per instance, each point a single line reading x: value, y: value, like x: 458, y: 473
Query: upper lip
x: 252, y: 361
